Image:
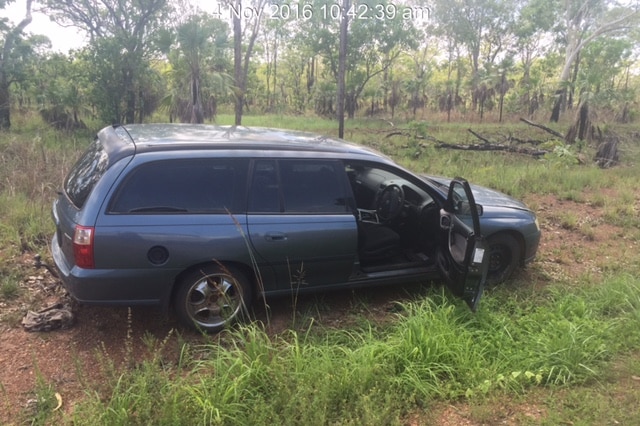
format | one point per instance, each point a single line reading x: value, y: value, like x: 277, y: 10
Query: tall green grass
x: 436, y: 350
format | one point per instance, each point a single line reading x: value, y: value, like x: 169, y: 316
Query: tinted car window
x: 85, y: 173
x: 305, y: 186
x: 188, y: 186
x: 265, y: 191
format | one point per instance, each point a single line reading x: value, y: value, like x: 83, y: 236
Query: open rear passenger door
x: 462, y: 258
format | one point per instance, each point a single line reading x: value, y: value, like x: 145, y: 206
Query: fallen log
x: 410, y: 135
x: 545, y: 128
x: 495, y: 147
x: 483, y: 139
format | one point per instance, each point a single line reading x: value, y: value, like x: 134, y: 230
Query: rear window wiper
x: 159, y: 209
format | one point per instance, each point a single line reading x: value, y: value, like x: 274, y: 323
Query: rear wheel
x: 504, y: 257
x: 212, y: 298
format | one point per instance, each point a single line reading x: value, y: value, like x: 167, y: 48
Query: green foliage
x: 200, y: 66
x: 404, y: 59
x: 436, y: 350
x: 29, y: 176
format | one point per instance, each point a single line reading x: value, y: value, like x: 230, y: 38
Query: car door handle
x: 275, y: 236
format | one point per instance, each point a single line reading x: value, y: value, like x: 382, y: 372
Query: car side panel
x: 305, y: 250
x: 151, y: 250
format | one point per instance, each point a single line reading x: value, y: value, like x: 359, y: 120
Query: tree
x: 10, y: 37
x: 199, y: 40
x: 483, y: 27
x: 122, y: 31
x: 585, y: 21
x: 60, y: 84
x: 416, y: 85
x: 342, y: 66
x: 374, y: 44
x: 252, y: 14
x: 534, y: 22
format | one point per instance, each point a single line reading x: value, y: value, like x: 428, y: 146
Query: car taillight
x: 83, y: 246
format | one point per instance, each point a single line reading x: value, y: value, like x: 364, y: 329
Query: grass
x: 568, y: 348
x: 435, y: 351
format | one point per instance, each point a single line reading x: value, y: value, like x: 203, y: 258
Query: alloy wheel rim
x: 214, y: 300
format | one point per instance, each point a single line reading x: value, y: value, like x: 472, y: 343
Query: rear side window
x: 298, y: 186
x: 86, y: 173
x: 182, y: 186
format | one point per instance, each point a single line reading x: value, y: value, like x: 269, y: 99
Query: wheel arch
x: 516, y: 235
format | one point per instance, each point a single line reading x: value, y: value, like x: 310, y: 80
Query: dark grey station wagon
x: 206, y: 218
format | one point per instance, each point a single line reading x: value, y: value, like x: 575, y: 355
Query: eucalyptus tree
x: 343, y: 44
x: 533, y: 39
x: 249, y: 12
x: 198, y: 58
x: 583, y: 21
x: 61, y: 89
x: 378, y: 32
x: 121, y: 34
x: 276, y: 34
x: 484, y: 28
x: 8, y: 36
x: 421, y: 64
x: 604, y: 62
x: 27, y: 58
x: 297, y: 76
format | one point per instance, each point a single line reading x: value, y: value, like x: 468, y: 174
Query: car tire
x: 504, y: 257
x: 212, y: 298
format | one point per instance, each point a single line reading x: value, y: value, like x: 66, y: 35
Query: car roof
x: 122, y: 140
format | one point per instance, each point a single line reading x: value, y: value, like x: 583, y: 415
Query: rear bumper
x: 111, y: 286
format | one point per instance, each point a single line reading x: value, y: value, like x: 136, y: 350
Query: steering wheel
x: 390, y: 202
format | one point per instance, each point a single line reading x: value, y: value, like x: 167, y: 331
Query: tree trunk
x: 558, y: 104
x: 5, y: 105
x: 574, y: 78
x: 583, y: 121
x: 342, y: 67
x: 237, y: 65
x: 197, y: 116
x: 350, y: 102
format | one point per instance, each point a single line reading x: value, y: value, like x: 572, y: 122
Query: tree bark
x: 240, y: 63
x: 237, y: 65
x: 342, y: 67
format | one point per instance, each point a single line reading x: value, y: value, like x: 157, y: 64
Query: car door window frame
x: 262, y: 184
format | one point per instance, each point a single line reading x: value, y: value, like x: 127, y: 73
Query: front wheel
x: 504, y: 257
x: 212, y: 298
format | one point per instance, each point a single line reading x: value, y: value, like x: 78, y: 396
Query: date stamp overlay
x: 286, y: 11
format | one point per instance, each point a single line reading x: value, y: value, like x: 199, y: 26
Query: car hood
x: 484, y: 196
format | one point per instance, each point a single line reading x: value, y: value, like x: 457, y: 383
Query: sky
x: 62, y: 39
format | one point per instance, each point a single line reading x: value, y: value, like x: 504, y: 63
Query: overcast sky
x: 62, y: 39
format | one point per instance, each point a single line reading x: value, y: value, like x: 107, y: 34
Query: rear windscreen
x: 86, y: 173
